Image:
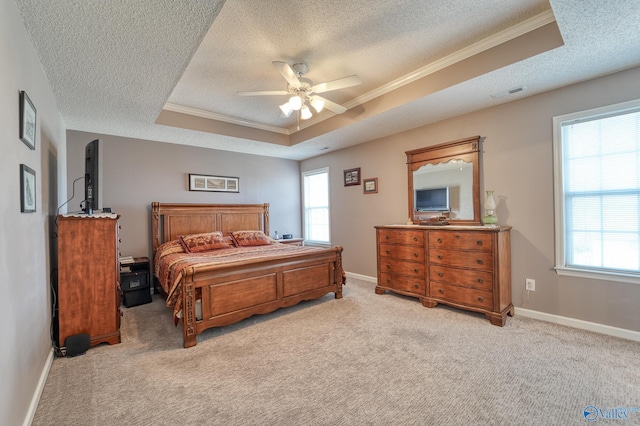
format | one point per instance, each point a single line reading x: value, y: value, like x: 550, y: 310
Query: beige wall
x: 137, y: 172
x: 518, y: 165
x: 26, y: 243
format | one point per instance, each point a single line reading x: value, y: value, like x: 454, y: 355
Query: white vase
x: 490, y: 218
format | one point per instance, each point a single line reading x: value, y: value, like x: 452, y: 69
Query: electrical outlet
x: 530, y: 284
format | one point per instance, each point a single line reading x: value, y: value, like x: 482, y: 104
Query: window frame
x: 304, y: 174
x: 561, y: 266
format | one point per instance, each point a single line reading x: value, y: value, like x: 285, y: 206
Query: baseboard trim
x: 582, y: 325
x: 33, y: 406
x: 556, y: 319
x: 361, y: 277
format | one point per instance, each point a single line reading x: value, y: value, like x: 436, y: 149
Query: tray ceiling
x: 169, y: 71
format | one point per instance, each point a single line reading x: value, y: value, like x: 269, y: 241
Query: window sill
x: 308, y: 243
x: 598, y: 275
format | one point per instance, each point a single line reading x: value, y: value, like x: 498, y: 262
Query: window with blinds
x: 315, y: 184
x: 597, y: 192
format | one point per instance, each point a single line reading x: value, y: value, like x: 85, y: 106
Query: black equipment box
x: 136, y: 297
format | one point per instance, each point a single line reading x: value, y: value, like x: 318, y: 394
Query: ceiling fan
x: 303, y: 92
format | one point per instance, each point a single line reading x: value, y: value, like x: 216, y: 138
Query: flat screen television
x: 92, y: 176
x: 432, y: 199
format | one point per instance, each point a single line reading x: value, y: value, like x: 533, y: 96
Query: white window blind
x: 598, y: 191
x: 316, y: 206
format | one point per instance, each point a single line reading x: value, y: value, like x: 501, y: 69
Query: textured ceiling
x: 122, y: 67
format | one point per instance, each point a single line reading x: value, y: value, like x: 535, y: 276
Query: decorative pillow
x: 196, y: 243
x: 250, y: 238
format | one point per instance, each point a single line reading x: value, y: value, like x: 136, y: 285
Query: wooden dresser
x: 88, y: 278
x: 468, y: 267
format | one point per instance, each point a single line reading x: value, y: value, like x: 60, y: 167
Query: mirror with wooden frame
x: 444, y: 183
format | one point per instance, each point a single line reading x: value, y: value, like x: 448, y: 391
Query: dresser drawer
x: 401, y: 283
x: 402, y: 252
x: 400, y: 236
x: 460, y: 240
x: 393, y: 266
x: 481, y: 280
x: 465, y: 259
x: 461, y: 295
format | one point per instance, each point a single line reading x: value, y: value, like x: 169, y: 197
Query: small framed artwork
x: 27, y: 189
x: 27, y: 121
x: 352, y: 177
x: 370, y: 186
x: 213, y: 183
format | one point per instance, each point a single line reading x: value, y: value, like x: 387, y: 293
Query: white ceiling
x: 115, y: 65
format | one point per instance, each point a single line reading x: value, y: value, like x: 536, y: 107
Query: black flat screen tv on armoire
x: 91, y: 176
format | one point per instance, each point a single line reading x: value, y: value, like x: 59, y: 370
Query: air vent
x: 509, y: 92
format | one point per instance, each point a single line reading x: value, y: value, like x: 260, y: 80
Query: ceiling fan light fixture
x: 305, y: 113
x: 295, y: 102
x: 303, y: 92
x: 317, y: 104
x: 286, y: 109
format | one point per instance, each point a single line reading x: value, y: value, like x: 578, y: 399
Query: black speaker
x: 76, y: 344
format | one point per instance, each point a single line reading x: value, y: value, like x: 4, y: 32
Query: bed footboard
x: 229, y: 295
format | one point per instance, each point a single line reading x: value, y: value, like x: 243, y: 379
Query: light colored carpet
x: 365, y: 359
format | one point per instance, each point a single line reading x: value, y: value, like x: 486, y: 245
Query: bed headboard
x: 169, y: 221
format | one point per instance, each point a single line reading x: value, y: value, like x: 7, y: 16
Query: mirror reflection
x: 444, y: 188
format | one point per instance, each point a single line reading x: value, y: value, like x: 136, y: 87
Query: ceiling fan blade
x: 341, y: 83
x: 263, y: 93
x: 288, y: 74
x: 332, y: 106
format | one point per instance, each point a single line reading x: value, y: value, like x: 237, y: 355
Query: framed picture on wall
x: 27, y: 189
x: 370, y: 186
x: 27, y: 121
x: 352, y: 177
x: 213, y: 183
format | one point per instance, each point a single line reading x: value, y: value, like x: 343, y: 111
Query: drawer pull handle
x: 441, y: 291
x: 415, y: 270
x: 480, y: 298
x: 415, y: 238
x: 388, y: 280
x: 479, y: 261
x: 415, y: 255
x: 457, y: 236
x: 388, y: 266
x: 439, y: 240
x: 440, y: 274
x: 439, y: 257
x: 479, y: 242
x: 387, y: 237
x: 480, y: 281
x: 417, y: 286
x: 387, y: 251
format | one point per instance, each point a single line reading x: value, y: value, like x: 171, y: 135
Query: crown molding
x: 511, y: 33
x: 226, y: 118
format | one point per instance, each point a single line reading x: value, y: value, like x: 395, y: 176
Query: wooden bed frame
x: 231, y: 294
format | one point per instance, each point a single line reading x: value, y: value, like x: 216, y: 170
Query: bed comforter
x: 171, y: 263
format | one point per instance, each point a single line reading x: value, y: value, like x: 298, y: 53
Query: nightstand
x: 134, y: 282
x: 292, y: 241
